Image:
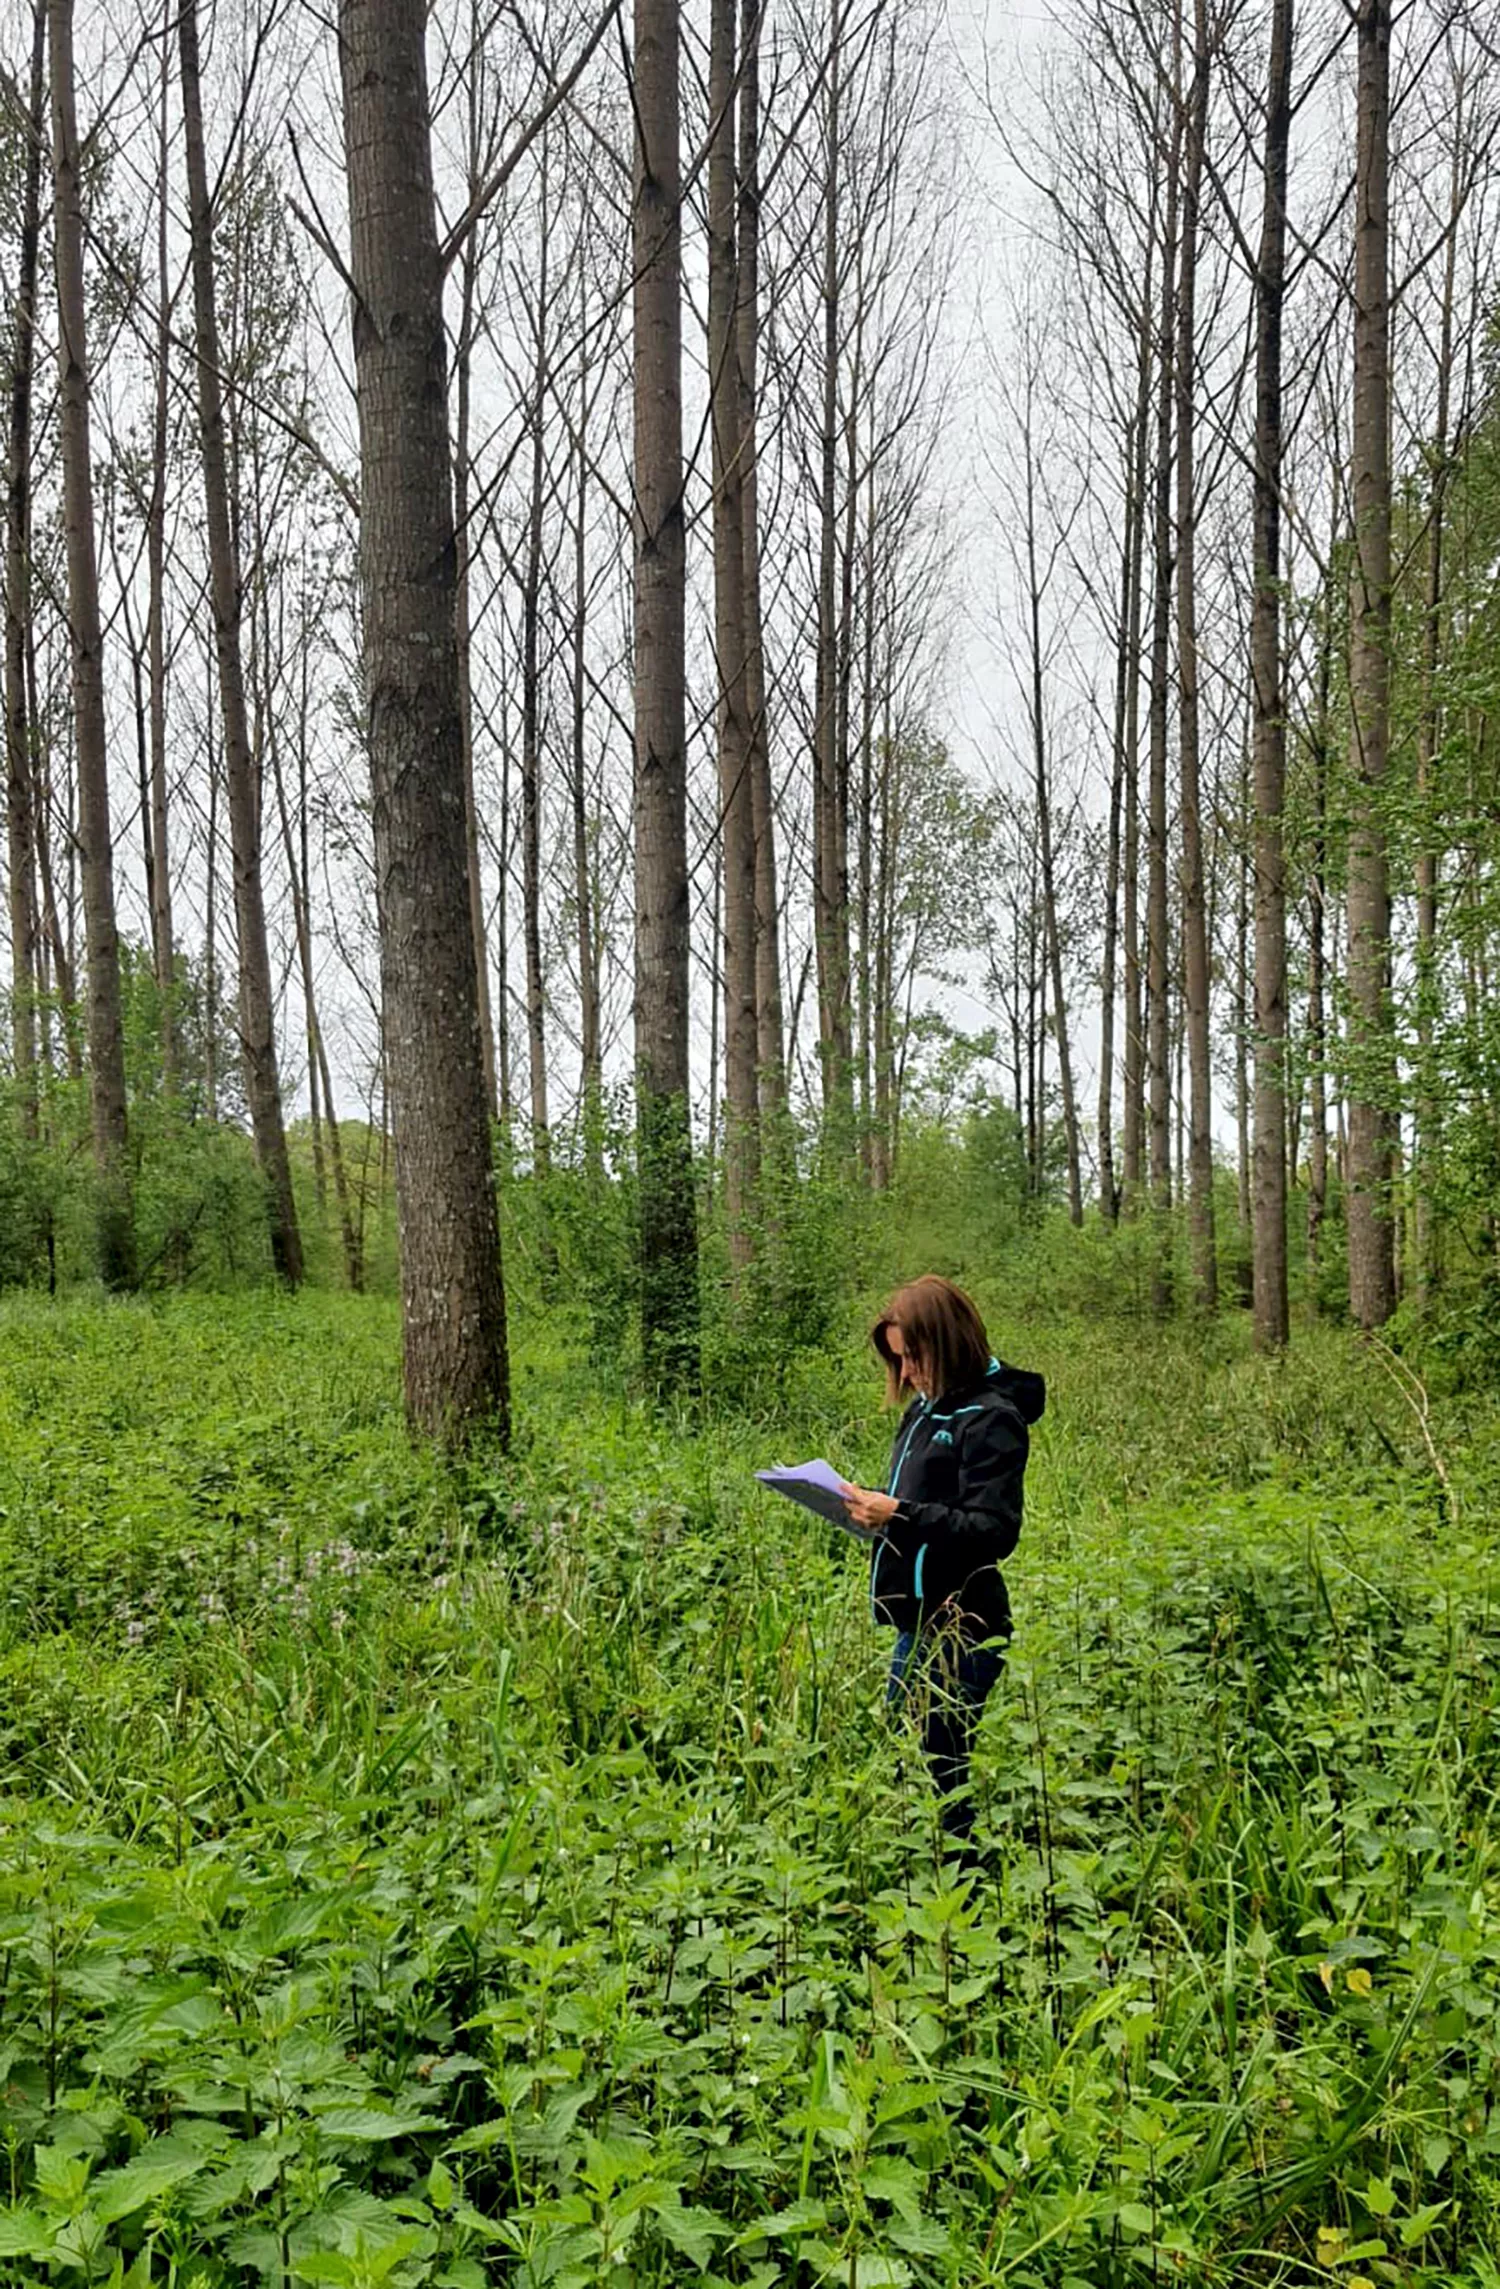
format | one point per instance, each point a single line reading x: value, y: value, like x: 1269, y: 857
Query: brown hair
x: 943, y: 1332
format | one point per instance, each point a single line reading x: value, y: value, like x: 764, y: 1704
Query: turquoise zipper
x: 895, y: 1482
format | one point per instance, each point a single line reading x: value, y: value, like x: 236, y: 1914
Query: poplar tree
x: 106, y: 1032
x: 1371, y: 1042
x: 668, y: 1221
x: 453, y: 1299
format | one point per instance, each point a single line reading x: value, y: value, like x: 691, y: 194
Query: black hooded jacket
x: 958, y: 1470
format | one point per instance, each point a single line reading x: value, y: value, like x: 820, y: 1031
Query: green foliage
x: 416, y: 1873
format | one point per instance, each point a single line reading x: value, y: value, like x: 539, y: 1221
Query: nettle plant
x: 569, y: 1910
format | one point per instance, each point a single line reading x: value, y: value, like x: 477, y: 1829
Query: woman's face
x: 911, y: 1370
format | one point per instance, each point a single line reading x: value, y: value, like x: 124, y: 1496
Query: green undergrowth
x: 415, y: 1873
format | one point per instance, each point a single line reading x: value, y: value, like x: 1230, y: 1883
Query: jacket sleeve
x: 987, y: 1513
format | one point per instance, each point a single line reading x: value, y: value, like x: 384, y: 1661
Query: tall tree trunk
x: 866, y: 834
x: 163, y: 955
x: 1371, y: 1041
x: 1133, y: 1067
x: 504, y: 1063
x: 1157, y: 921
x: 116, y: 1222
x: 531, y: 717
x: 1317, y: 915
x: 1196, y: 982
x: 590, y: 1022
x: 453, y: 1297
x: 882, y: 982
x: 770, y: 1041
x: 54, y: 961
x: 1123, y: 826
x: 669, y: 1241
x: 1268, y: 1187
x: 211, y: 926
x: 1429, y: 742
x: 1244, y: 993
x: 20, y: 811
x: 256, y: 993
x: 463, y: 362
x: 1052, y: 948
x: 736, y: 813
x: 830, y: 865
x: 318, y: 1076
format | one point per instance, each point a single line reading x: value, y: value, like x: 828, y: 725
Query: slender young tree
x: 1268, y: 736
x: 20, y: 817
x: 590, y: 1015
x: 256, y: 992
x: 1038, y: 574
x: 1429, y: 1110
x: 669, y: 1240
x: 830, y: 807
x: 1371, y: 1041
x: 1196, y: 1013
x: 479, y: 160
x: 1158, y: 1060
x: 453, y: 1298
x: 164, y: 960
x: 541, y: 319
x: 736, y: 806
x: 106, y: 1032
x: 770, y: 1041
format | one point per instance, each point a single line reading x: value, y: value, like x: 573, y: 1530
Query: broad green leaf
x: 119, y: 2193
x: 24, y: 2233
x: 693, y: 2231
x: 1421, y: 2222
x: 62, y: 2179
x: 371, y: 2123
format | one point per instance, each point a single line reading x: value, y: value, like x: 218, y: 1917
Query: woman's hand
x: 867, y: 1508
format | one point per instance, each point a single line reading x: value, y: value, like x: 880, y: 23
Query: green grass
x: 414, y: 1873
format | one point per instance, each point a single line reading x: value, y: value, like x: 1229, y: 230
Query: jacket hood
x: 1026, y: 1390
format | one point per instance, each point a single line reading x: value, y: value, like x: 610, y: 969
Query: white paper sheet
x: 818, y: 1486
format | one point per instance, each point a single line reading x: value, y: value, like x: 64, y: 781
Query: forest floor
x: 508, y: 1872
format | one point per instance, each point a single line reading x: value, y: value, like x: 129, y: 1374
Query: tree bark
x: 463, y: 363
x: 830, y: 831
x: 20, y: 815
x: 1371, y: 1041
x: 590, y: 1022
x: 1052, y: 941
x: 453, y: 1298
x: 1133, y: 1064
x: 669, y: 1241
x: 318, y: 1075
x: 1196, y: 985
x: 163, y: 953
x: 770, y: 1032
x: 256, y: 993
x: 736, y: 812
x: 1268, y: 738
x: 116, y: 1213
x: 1429, y: 743
x: 1158, y: 1066
x: 531, y: 718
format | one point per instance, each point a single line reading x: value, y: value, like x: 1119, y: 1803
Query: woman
x: 951, y: 1513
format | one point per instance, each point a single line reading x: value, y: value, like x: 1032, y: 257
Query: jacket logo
x: 942, y: 1438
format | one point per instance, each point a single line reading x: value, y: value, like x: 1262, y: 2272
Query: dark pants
x: 944, y: 1684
